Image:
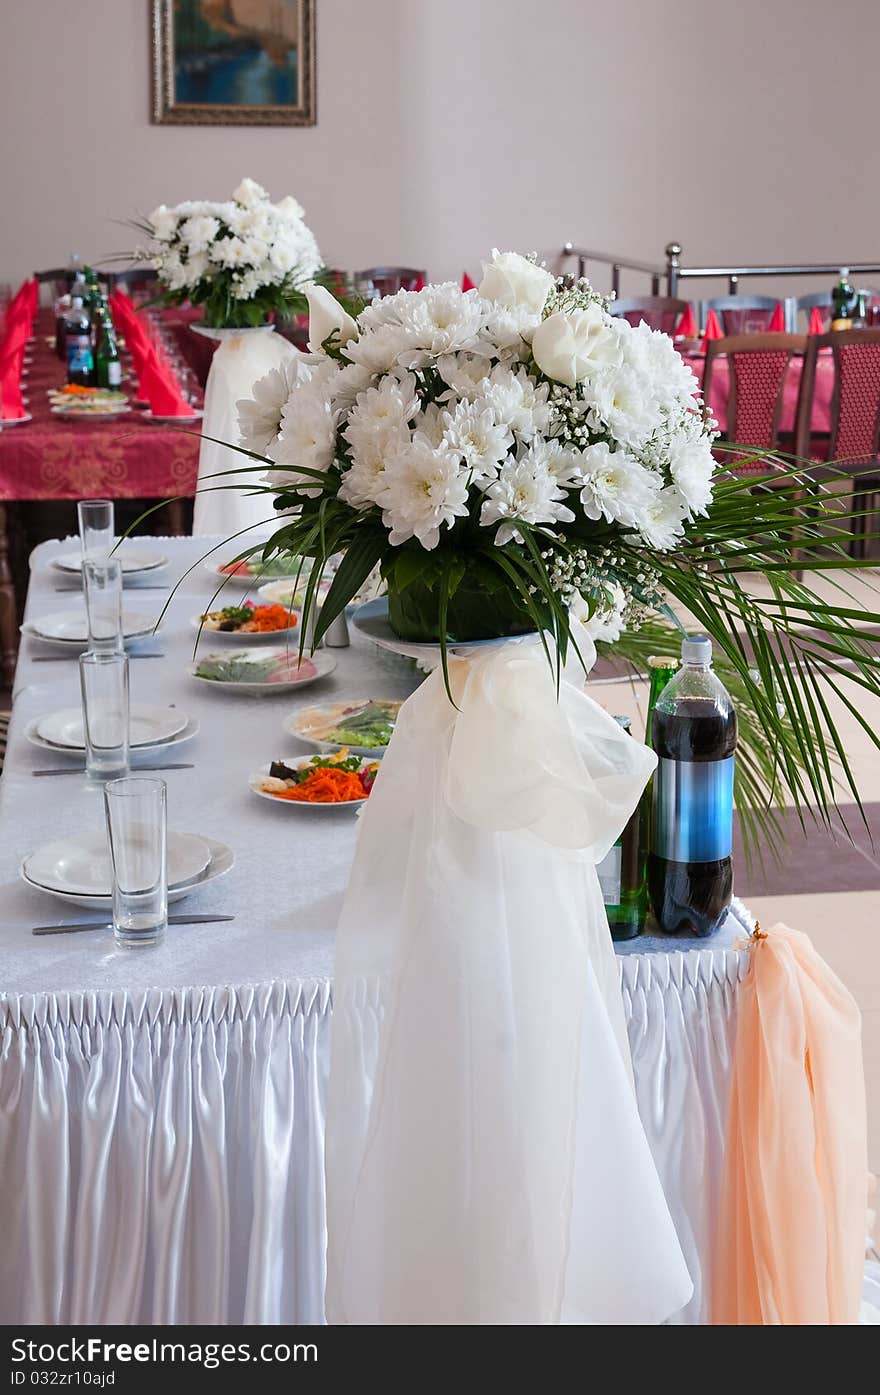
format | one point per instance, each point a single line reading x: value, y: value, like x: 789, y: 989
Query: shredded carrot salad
x: 269, y: 617
x: 327, y: 786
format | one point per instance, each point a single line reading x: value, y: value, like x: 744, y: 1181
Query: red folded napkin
x: 16, y: 333
x: 687, y: 325
x: 817, y: 321
x: 467, y: 284
x: 712, y: 330
x: 159, y: 386
x: 420, y: 284
x: 12, y: 406
x: 777, y: 320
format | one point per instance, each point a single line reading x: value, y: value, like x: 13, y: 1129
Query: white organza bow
x: 485, y: 1160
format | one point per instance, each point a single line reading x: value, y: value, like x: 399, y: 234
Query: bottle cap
x: 696, y: 649
x: 663, y: 661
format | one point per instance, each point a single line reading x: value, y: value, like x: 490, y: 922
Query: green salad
x: 369, y: 725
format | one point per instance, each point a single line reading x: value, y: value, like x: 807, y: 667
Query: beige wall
x: 746, y: 130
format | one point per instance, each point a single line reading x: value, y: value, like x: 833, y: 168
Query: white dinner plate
x: 315, y: 666
x: 80, y: 864
x: 133, y: 560
x: 147, y: 725
x: 195, y: 415
x: 258, y: 775
x: 70, y: 627
x: 246, y: 580
x: 372, y: 621
x: 308, y: 724
x: 249, y: 637
x: 6, y: 422
x: 222, y: 860
x: 149, y: 749
x: 290, y: 593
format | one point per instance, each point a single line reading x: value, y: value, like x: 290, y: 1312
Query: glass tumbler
x: 96, y: 527
x: 102, y: 582
x: 104, y: 682
x: 137, y: 828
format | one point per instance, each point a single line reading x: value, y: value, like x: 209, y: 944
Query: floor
x: 825, y: 884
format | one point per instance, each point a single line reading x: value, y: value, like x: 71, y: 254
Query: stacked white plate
x: 151, y: 730
x: 134, y: 560
x: 69, y: 628
x: 77, y: 869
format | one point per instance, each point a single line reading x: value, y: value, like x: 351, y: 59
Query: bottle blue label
x: 79, y: 353
x: 693, y: 810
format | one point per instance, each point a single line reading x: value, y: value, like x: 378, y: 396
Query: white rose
x: 163, y: 221
x: 249, y: 192
x: 513, y: 281
x: 325, y: 316
x: 575, y: 344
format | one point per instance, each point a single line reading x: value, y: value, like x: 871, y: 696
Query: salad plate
x: 233, y: 621
x: 88, y: 411
x: 80, y: 864
x: 292, y: 593
x: 317, y: 782
x: 221, y: 861
x: 133, y: 560
x: 6, y: 422
x: 148, y: 724
x: 371, y: 620
x: 69, y: 627
x: 258, y: 672
x: 363, y: 728
x: 252, y: 570
x: 195, y: 415
x: 143, y: 749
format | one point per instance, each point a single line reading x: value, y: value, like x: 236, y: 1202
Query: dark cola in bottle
x: 690, y: 869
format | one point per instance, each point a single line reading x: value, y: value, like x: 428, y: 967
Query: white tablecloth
x: 161, y: 1112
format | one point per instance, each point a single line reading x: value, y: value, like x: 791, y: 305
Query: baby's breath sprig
x: 568, y: 295
x: 605, y: 579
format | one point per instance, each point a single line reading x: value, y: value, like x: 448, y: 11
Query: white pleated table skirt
x: 162, y: 1152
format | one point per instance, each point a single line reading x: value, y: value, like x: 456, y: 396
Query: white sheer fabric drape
x: 493, y: 1169
x: 239, y: 360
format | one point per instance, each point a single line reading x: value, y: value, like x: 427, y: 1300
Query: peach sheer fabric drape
x: 792, y: 1222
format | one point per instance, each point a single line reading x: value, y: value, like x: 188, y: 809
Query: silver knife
x: 135, y: 769
x: 72, y: 927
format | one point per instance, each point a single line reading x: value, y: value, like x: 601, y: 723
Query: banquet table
x: 162, y: 1110
x: 719, y: 391
x: 52, y: 457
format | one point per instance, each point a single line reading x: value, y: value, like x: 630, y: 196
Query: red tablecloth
x: 125, y: 457
x: 719, y: 391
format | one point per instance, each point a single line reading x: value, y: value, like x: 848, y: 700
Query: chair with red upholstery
x: 759, y: 365
x: 661, y: 312
x: 387, y: 280
x: 853, y: 447
x: 744, y: 314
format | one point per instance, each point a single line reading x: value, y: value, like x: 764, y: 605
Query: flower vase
x: 473, y: 612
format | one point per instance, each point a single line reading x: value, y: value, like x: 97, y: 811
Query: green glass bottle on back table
x: 842, y: 298
x: 108, y: 365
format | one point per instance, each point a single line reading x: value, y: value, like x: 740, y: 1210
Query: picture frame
x: 233, y: 63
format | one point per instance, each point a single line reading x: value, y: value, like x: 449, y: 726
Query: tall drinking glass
x: 96, y: 526
x: 104, y: 683
x: 137, y: 827
x: 102, y: 582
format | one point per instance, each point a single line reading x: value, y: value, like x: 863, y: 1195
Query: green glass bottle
x: 842, y: 298
x: 108, y: 365
x: 662, y: 668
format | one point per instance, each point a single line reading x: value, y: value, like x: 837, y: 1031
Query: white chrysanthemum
x: 425, y: 489
x: 259, y: 417
x: 388, y: 310
x: 173, y: 272
x: 245, y: 284
x: 249, y: 192
x: 479, y: 438
x: 625, y: 401
x: 563, y: 463
x: 662, y: 521
x: 509, y: 329
x: 380, y: 349
x: 379, y: 414
x: 307, y: 438
x: 443, y: 319
x: 290, y: 210
x: 465, y: 374
x: 692, y: 467
x: 615, y: 486
x: 199, y: 230
x: 163, y: 222
x: 432, y: 424
x: 229, y: 252
x: 197, y: 264
x: 654, y: 356
x: 527, y: 492
x: 348, y: 383
x: 517, y: 400
x: 363, y: 483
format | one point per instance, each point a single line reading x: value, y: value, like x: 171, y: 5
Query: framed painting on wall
x: 233, y: 62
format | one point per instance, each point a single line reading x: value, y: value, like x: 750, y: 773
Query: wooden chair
x: 758, y: 365
x: 743, y: 314
x: 854, y: 443
x: 387, y: 280
x: 661, y: 312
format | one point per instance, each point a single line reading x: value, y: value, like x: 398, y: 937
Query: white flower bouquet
x: 241, y: 259
x: 493, y: 450
x: 513, y: 455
